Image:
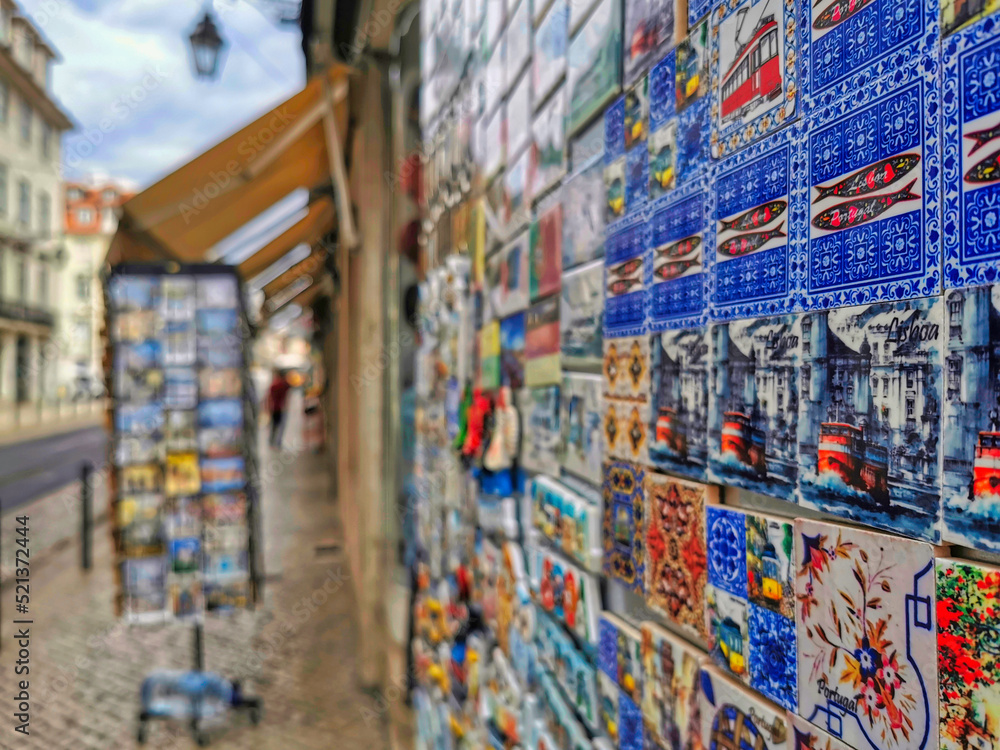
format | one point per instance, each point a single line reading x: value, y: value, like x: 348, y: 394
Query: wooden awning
x: 294, y: 146
x: 311, y: 265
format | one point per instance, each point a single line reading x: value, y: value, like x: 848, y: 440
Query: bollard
x: 87, y: 525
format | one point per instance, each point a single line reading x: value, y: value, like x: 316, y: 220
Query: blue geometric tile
x: 773, y: 658
x: 755, y: 60
x: 627, y: 277
x: 607, y: 648
x: 631, y: 733
x: 971, y: 148
x: 761, y: 220
x: 725, y: 531
x: 636, y: 180
x: 681, y: 239
x: 874, y: 176
x: 847, y: 46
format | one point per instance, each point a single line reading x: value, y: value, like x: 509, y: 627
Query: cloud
x: 126, y: 80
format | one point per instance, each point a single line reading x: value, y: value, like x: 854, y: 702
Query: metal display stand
x: 194, y: 696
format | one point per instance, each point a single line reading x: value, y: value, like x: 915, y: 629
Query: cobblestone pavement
x: 296, y: 651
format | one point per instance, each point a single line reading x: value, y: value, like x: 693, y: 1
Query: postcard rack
x: 184, y: 470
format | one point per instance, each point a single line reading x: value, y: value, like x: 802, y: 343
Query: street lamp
x: 206, y: 46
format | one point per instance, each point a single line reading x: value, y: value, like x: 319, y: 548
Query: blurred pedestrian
x: 277, y: 396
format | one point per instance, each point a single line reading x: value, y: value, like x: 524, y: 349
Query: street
x: 38, y: 467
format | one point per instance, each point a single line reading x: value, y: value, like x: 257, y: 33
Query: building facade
x: 31, y: 213
x: 91, y: 221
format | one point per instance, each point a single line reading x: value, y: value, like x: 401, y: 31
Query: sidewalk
x: 9, y: 433
x: 296, y: 651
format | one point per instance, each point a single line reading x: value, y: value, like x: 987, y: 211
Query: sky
x: 126, y: 80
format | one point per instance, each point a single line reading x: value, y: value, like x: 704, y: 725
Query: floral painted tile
x: 866, y: 636
x: 727, y: 624
x: 626, y: 368
x: 773, y: 667
x: 735, y: 718
x: 631, y: 733
x: 968, y: 605
x: 618, y: 654
x: 753, y: 408
x: 971, y: 482
x: 869, y: 427
x: 725, y: 531
x: 671, y: 685
x: 678, y: 440
x: 624, y: 523
x: 676, y: 567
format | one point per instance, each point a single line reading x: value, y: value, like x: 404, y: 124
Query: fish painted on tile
x: 747, y: 243
x: 668, y: 271
x: 853, y: 213
x: 680, y: 248
x: 988, y: 170
x: 756, y: 217
x: 871, y: 178
x: 982, y: 137
x: 839, y: 12
x: 622, y: 285
x: 626, y: 269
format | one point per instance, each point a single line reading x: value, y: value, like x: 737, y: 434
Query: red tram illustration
x: 986, y: 466
x: 755, y: 73
x: 859, y: 463
x: 744, y: 441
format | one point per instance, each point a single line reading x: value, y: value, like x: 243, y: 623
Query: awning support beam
x: 335, y: 153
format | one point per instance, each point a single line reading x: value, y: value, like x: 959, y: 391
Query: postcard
x: 185, y: 554
x: 222, y: 474
x: 595, y: 53
x: 181, y: 388
x: 182, y: 516
x: 180, y: 432
x: 217, y: 291
x: 180, y: 342
x: 138, y: 355
x: 140, y: 524
x: 225, y: 508
x: 512, y: 351
x: 225, y: 383
x: 137, y: 449
x: 134, y: 292
x: 225, y: 563
x: 548, y: 145
x: 218, y: 442
x: 185, y: 595
x: 134, y: 386
x: 546, y: 252
x: 143, y: 478
x: 178, y: 300
x: 136, y: 325
x: 581, y: 318
x: 220, y: 413
x: 551, y: 41
x: 583, y: 215
x: 541, y: 347
x: 226, y: 595
x: 182, y: 474
x: 144, y: 575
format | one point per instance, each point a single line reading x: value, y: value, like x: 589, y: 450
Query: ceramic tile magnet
x: 540, y: 432
x: 624, y: 519
x: 727, y: 625
x: 968, y: 665
x: 631, y: 733
x: 847, y: 46
x: 626, y: 368
x: 610, y: 718
x: 670, y: 689
x: 869, y: 427
x: 678, y: 440
x: 866, y: 636
x: 626, y: 277
x: 734, y: 717
x: 626, y: 430
x: 680, y: 238
x: 874, y: 193
x: 971, y: 149
x: 581, y: 317
x: 618, y: 654
x: 971, y: 511
x: 806, y: 736
x: 676, y: 565
x: 755, y: 60
x: 581, y: 423
x: 753, y: 404
x: 760, y: 214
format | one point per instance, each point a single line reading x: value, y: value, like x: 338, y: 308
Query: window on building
x: 806, y: 385
x: 22, y: 279
x: 109, y: 195
x: 885, y: 386
x: 25, y: 50
x: 955, y: 316
x: 74, y: 194
x: 4, y: 101
x: 46, y: 140
x: 954, y: 374
x: 909, y: 378
x: 909, y: 408
x: 3, y: 189
x: 81, y: 332
x: 109, y: 222
x: 45, y: 215
x: 24, y: 203
x: 85, y: 216
x: 26, y: 115
x: 82, y: 287
x: 43, y: 284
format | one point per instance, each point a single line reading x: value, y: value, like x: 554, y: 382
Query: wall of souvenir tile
x: 708, y: 438
x: 183, y: 502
